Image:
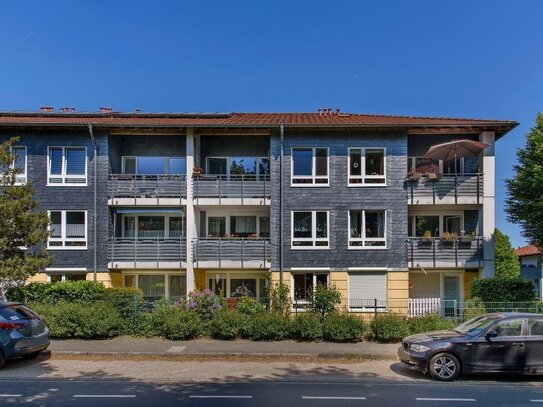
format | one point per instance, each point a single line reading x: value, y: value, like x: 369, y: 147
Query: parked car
x: 498, y: 342
x: 22, y: 332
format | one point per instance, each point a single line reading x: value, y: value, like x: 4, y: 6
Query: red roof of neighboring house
x: 529, y: 250
x: 243, y: 120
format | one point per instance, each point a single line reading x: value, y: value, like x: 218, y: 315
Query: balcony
x: 445, y: 189
x: 147, y: 253
x: 246, y: 189
x: 436, y: 252
x: 231, y: 253
x: 129, y: 189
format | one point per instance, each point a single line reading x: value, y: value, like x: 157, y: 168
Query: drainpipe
x: 282, y: 132
x: 95, y: 214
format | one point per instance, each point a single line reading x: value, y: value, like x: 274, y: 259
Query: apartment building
x: 531, y: 266
x: 170, y: 203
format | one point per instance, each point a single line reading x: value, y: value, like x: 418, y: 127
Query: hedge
x: 308, y: 326
x: 70, y: 291
x: 503, y: 290
x: 389, y: 328
x: 343, y: 328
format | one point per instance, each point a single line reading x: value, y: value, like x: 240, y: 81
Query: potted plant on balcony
x: 427, y: 236
x: 413, y: 175
x: 448, y: 238
x: 197, y: 171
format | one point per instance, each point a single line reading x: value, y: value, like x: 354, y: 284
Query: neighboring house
x: 531, y: 266
x: 189, y: 201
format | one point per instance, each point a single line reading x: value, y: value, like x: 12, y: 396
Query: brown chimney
x: 46, y: 108
x: 105, y: 109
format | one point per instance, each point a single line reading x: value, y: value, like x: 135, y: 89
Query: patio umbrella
x: 453, y: 150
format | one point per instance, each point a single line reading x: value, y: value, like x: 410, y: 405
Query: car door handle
x: 518, y: 344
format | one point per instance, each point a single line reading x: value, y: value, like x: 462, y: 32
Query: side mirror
x: 491, y: 334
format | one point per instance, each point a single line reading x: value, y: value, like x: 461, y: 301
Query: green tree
x: 507, y: 263
x: 524, y: 203
x: 323, y: 299
x: 22, y: 227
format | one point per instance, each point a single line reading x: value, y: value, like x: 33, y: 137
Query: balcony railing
x: 437, y: 252
x: 244, y: 252
x: 446, y: 188
x: 244, y: 186
x: 152, y: 250
x: 147, y: 186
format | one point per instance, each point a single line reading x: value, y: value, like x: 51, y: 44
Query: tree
x: 524, y: 203
x: 22, y: 227
x: 507, y: 263
x: 323, y: 299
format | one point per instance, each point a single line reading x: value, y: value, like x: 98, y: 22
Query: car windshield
x: 475, y: 325
x: 16, y: 312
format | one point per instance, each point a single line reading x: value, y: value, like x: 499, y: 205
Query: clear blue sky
x: 479, y: 59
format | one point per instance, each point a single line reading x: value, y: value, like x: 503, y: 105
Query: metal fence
x: 221, y: 250
x: 147, y: 186
x: 437, y: 252
x: 243, y: 186
x: 156, y: 250
x: 449, y: 188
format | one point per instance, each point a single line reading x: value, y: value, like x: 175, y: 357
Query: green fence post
x: 135, y: 313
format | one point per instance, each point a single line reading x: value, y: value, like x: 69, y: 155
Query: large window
x: 367, y: 166
x: 435, y: 225
x: 304, y: 283
x: 67, y: 166
x: 310, y: 230
x: 309, y: 166
x: 238, y: 226
x: 367, y: 228
x: 68, y: 230
x: 154, y: 226
x: 154, y: 165
x: 19, y: 164
x: 156, y: 286
x: 238, y: 165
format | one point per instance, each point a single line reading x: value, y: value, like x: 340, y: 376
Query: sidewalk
x: 206, y: 347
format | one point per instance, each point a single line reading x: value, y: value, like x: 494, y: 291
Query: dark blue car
x: 22, y: 332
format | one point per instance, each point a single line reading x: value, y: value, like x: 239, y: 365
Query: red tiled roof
x: 529, y: 250
x: 241, y: 120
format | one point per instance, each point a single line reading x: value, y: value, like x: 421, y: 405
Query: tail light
x: 11, y: 325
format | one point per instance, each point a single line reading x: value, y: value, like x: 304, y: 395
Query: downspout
x: 94, y: 212
x: 282, y: 134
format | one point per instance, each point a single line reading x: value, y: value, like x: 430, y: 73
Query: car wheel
x: 444, y: 366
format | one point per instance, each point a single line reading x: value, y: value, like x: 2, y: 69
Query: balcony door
x: 153, y: 226
x: 238, y: 166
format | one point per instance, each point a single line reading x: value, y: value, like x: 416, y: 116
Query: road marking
x: 193, y: 396
x: 10, y: 395
x: 440, y: 399
x: 536, y: 401
x: 116, y: 396
x: 176, y: 349
x: 332, y: 398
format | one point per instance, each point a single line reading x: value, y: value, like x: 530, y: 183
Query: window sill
x: 56, y: 248
x: 309, y: 185
x: 309, y: 247
x: 67, y: 185
x: 367, y: 310
x: 366, y: 185
x: 367, y: 248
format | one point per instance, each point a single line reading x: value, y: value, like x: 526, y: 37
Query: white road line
x: 537, y: 401
x: 441, y: 399
x: 176, y: 349
x: 115, y: 396
x: 193, y: 396
x: 10, y: 395
x: 332, y: 398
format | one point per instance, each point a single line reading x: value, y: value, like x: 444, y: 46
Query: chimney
x: 138, y: 110
x: 105, y: 109
x: 337, y: 111
x: 46, y: 108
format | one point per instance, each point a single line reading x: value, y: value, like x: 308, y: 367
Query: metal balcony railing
x: 147, y: 186
x: 436, y: 252
x: 221, y: 250
x: 147, y: 250
x: 231, y: 186
x: 446, y: 188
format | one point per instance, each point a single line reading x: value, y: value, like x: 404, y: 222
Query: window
x: 68, y: 230
x: 435, y: 225
x: 536, y: 327
x: 216, y: 226
x: 367, y: 166
x: 309, y: 166
x: 245, y: 286
x: 238, y: 165
x: 53, y: 278
x: 511, y: 327
x: 303, y: 285
x: 19, y: 163
x: 243, y: 226
x: 156, y: 286
x: 310, y: 230
x: 67, y: 165
x: 238, y: 226
x: 367, y: 291
x: 152, y: 285
x: 367, y: 228
x: 154, y: 165
x: 153, y: 226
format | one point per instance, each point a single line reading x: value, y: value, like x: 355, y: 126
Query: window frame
x: 412, y: 221
x: 313, y: 177
x: 313, y: 239
x: 364, y: 239
x: 24, y: 175
x: 63, y: 238
x: 229, y: 164
x: 63, y: 176
x: 227, y: 229
x: 166, y: 167
x: 363, y: 177
x: 299, y: 304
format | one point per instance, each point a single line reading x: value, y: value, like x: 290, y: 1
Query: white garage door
x: 365, y: 288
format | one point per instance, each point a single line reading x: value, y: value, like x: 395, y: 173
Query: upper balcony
x: 432, y: 189
x: 147, y: 252
x: 235, y: 253
x: 232, y: 189
x: 133, y: 189
x: 439, y: 252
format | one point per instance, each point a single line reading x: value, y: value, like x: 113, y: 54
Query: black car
x: 498, y: 342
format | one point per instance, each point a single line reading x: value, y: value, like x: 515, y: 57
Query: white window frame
x: 313, y: 239
x: 313, y: 177
x: 363, y: 238
x: 20, y: 179
x: 296, y: 303
x: 363, y: 177
x: 441, y: 216
x: 63, y: 238
x: 63, y: 176
x: 166, y: 163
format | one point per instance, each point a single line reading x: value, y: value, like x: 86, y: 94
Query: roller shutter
x: 365, y: 288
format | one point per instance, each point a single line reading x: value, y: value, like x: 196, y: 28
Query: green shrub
x: 428, y: 323
x: 308, y: 326
x: 228, y: 324
x: 280, y: 299
x: 389, y: 328
x: 503, y: 290
x: 77, y: 320
x: 249, y: 306
x: 70, y: 291
x: 125, y: 299
x: 343, y: 328
x: 182, y: 325
x: 473, y: 307
x: 269, y: 326
x: 205, y: 303
x: 323, y: 299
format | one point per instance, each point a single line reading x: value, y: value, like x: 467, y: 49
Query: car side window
x: 536, y: 327
x: 512, y: 327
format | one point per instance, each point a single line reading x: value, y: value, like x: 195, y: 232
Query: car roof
x: 4, y: 304
x: 513, y: 315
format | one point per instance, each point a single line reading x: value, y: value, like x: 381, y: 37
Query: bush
x: 473, y: 307
x: 343, y: 328
x: 228, y: 324
x: 269, y: 326
x: 125, y: 299
x: 428, y: 323
x: 77, y: 320
x: 205, y: 303
x: 308, y: 326
x: 503, y: 290
x: 389, y: 328
x: 323, y: 299
x: 280, y: 299
x: 181, y: 324
x: 249, y: 306
x: 70, y: 291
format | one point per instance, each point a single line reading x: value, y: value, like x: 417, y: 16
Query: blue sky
x: 479, y: 59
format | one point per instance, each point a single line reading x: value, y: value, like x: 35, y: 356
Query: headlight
x: 418, y: 348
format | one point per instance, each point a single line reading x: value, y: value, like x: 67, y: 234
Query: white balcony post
x: 191, y: 224
x: 488, y: 209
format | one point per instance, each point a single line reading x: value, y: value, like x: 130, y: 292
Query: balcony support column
x: 488, y: 209
x: 191, y: 223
